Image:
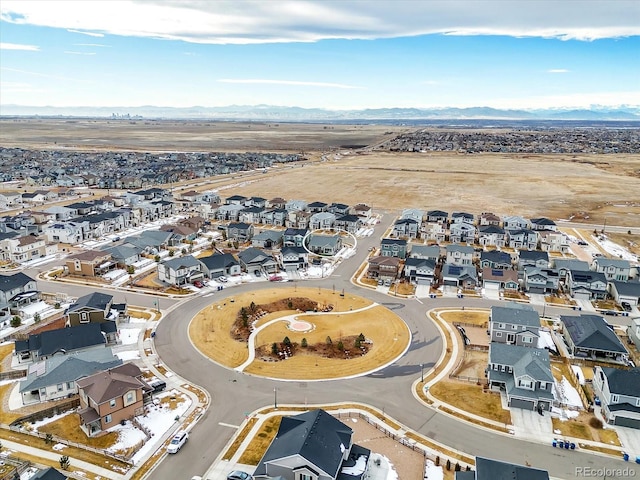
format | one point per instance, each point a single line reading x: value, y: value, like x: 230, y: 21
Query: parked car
x: 380, y: 282
x: 222, y: 279
x: 198, y: 284
x: 158, y: 385
x: 239, y: 475
x: 177, y: 442
x: 626, y: 306
x: 387, y: 283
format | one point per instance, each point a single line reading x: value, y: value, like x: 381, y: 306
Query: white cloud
x: 558, y: 70
x: 91, y: 45
x: 18, y: 46
x: 257, y: 21
x: 91, y: 34
x: 285, y: 82
x: 71, y: 52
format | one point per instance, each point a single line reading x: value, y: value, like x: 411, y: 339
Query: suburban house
x: 613, y: 268
x: 315, y: 207
x: 492, y: 235
x: 236, y: 200
x: 313, y: 446
x: 339, y: 209
x: 25, y: 248
x: 540, y: 280
x: 552, y: 241
x: 488, y: 469
x: 462, y: 276
x: 251, y: 214
x: 383, y: 267
x: 239, y: 231
x: 589, y: 336
x: 532, y: 258
x: 124, y: 255
x: 433, y: 231
x: 413, y: 214
x: 514, y: 222
x: 362, y: 210
x: 425, y: 252
x: 220, y: 265
x: 437, y: 216
x: 625, y: 292
x: 294, y: 258
x: 56, y: 377
x: 565, y: 265
x: 92, y: 308
x: 543, y: 224
x: 276, y: 217
x: 349, y: 223
x: 500, y: 280
x: 90, y: 263
x: 322, y: 221
x: 180, y: 233
x: 43, y: 345
x: 462, y: 233
x: 462, y: 217
x: 524, y: 374
x: 294, y: 237
x: 619, y: 394
x: 180, y: 270
x: 277, y: 202
x: 459, y: 254
x: 257, y: 262
x: 267, y: 239
x: 324, y: 244
x: 15, y: 288
x: 495, y: 259
x: 405, y: 228
x: 587, y: 285
x: 633, y: 331
x: 293, y: 205
x: 419, y: 271
x: 110, y: 397
x: 488, y: 218
x: 515, y: 325
x: 393, y: 247
x: 229, y: 212
x: 522, y: 239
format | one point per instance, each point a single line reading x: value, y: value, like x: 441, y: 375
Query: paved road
x: 234, y: 394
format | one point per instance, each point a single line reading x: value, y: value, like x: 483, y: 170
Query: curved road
x: 233, y: 394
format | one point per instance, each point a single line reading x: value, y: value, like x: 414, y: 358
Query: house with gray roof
x: 324, y: 244
x: 589, y: 336
x: 56, y: 377
x: 488, y: 469
x: 413, y: 214
x: 532, y: 258
x: 180, y: 270
x: 514, y: 324
x: 393, y: 247
x: 625, y: 292
x: 239, y: 231
x: 322, y: 221
x: 294, y: 205
x: 524, y: 374
x: 313, y: 445
x: 124, y: 255
x: 426, y: 252
x: 613, y: 268
x: 267, y: 239
x: 522, y: 239
x: 540, y: 280
x: 459, y: 254
x: 496, y: 260
x: 462, y: 217
x: 255, y: 261
x: 293, y: 237
x: 514, y: 222
x: 543, y: 223
x: 339, y: 209
x: 434, y: 231
x: 619, y: 394
x: 565, y: 265
x: 437, y: 216
x: 501, y: 280
x: 420, y: 271
x: 251, y: 214
x: 151, y: 241
x: 40, y: 346
x: 275, y: 216
x: 315, y: 207
x: 405, y: 227
x: 461, y: 276
x: 633, y: 332
x: 49, y: 474
x: 12, y: 287
x: 350, y: 223
x: 94, y: 307
x: 492, y: 235
x: 462, y: 232
x: 220, y: 265
x: 587, y: 285
x: 229, y: 212
x: 294, y: 258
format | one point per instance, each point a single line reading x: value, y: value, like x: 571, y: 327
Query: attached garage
x: 524, y: 404
x: 582, y: 295
x: 627, y: 422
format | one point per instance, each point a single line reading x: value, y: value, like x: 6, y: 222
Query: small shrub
x: 329, y: 342
x: 16, y: 321
x: 303, y: 343
x: 340, y: 345
x: 274, y: 348
x: 595, y: 423
x: 437, y: 460
x: 457, y: 467
x: 287, y: 341
x: 56, y: 305
x: 448, y: 464
x: 64, y: 462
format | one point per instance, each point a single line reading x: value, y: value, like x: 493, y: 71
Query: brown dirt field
x: 473, y: 364
x: 470, y: 398
x: 477, y: 317
x: 210, y: 332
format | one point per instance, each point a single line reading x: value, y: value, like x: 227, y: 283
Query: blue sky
x: 326, y: 54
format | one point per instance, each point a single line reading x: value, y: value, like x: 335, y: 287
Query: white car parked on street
x: 177, y: 442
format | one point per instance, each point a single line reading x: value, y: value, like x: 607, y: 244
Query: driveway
x: 422, y: 291
x: 630, y: 440
x: 585, y: 305
x: 536, y: 298
x: 530, y: 424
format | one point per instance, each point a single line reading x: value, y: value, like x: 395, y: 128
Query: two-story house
x: 514, y: 223
x: 90, y: 263
x: 540, y: 280
x: 95, y: 307
x: 564, y: 265
x: 294, y: 237
x: 322, y: 221
x: 522, y: 239
x: 492, y: 235
x: 349, y: 223
x: 625, y: 292
x: 13, y: 286
x: 294, y: 258
x: 462, y: 233
x: 543, y: 223
x: 524, y: 374
x: 515, y: 325
x: 111, y: 396
x: 255, y: 261
x: 419, y: 271
x: 405, y: 228
x: 426, y: 252
x: 613, y: 268
x: 496, y: 260
x: 180, y: 270
x: 587, y: 285
x: 383, y: 268
x: 532, y: 258
x: 437, y: 216
x: 552, y: 241
x: 393, y: 247
x: 239, y: 231
x: 589, y: 336
x: 459, y: 254
x: 619, y: 394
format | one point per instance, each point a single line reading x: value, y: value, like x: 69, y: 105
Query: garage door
x: 536, y: 290
x: 582, y: 296
x: 627, y: 422
x: 519, y: 403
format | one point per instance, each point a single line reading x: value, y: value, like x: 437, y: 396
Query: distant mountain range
x: 297, y: 114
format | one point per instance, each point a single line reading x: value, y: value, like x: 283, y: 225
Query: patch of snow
x: 354, y: 420
x: 383, y: 467
x: 571, y: 413
x: 557, y: 432
x: 614, y: 249
x: 545, y: 340
x: 44, y: 421
x: 358, y: 468
x: 577, y: 370
x: 29, y: 473
x: 129, y: 336
x: 433, y: 472
x: 128, y: 355
x: 59, y: 446
x: 342, y: 449
x: 566, y: 394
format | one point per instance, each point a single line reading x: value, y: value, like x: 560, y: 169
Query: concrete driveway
x: 630, y: 439
x: 585, y: 305
x: 530, y: 424
x: 422, y: 291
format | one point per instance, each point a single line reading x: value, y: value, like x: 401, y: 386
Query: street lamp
x: 275, y: 398
x: 422, y: 372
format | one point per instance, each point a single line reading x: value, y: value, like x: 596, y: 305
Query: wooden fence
x: 11, y: 374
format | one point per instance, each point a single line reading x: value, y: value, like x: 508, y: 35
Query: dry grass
x: 473, y: 420
x: 471, y: 398
x: 605, y: 450
x: 572, y: 428
x: 5, y: 351
x: 608, y: 436
x: 68, y: 428
x: 239, y: 438
x: 261, y: 441
x: 476, y: 317
x: 140, y: 313
x: 6, y: 417
x: 473, y: 364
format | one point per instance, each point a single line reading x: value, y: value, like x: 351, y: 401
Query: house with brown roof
x: 90, y: 263
x: 383, y: 267
x: 111, y: 396
x: 22, y: 249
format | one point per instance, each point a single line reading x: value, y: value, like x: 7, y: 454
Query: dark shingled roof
x: 592, y: 332
x: 11, y: 282
x: 49, y: 474
x: 66, y: 339
x: 96, y: 300
x: 316, y: 436
x: 487, y: 469
x: 623, y: 382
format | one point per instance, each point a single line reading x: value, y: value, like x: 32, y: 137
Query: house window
x: 304, y: 476
x: 614, y: 398
x: 69, y: 385
x: 498, y: 334
x: 526, y: 339
x: 107, y: 419
x: 84, y: 317
x: 60, y: 387
x: 130, y: 397
x: 501, y: 325
x: 525, y: 383
x: 112, y: 403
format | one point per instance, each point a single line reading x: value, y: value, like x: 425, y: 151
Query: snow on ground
x: 546, y: 341
x: 566, y: 394
x: 138, y: 320
x: 128, y: 355
x: 384, y: 470
x: 577, y: 370
x: 433, y: 472
x: 29, y: 473
x: 129, y: 336
x: 614, y: 249
x: 358, y: 468
x: 564, y: 414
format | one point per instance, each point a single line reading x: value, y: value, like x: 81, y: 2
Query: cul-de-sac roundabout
x: 299, y: 334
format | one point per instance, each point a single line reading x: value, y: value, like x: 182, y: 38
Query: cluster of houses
x: 506, y: 255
